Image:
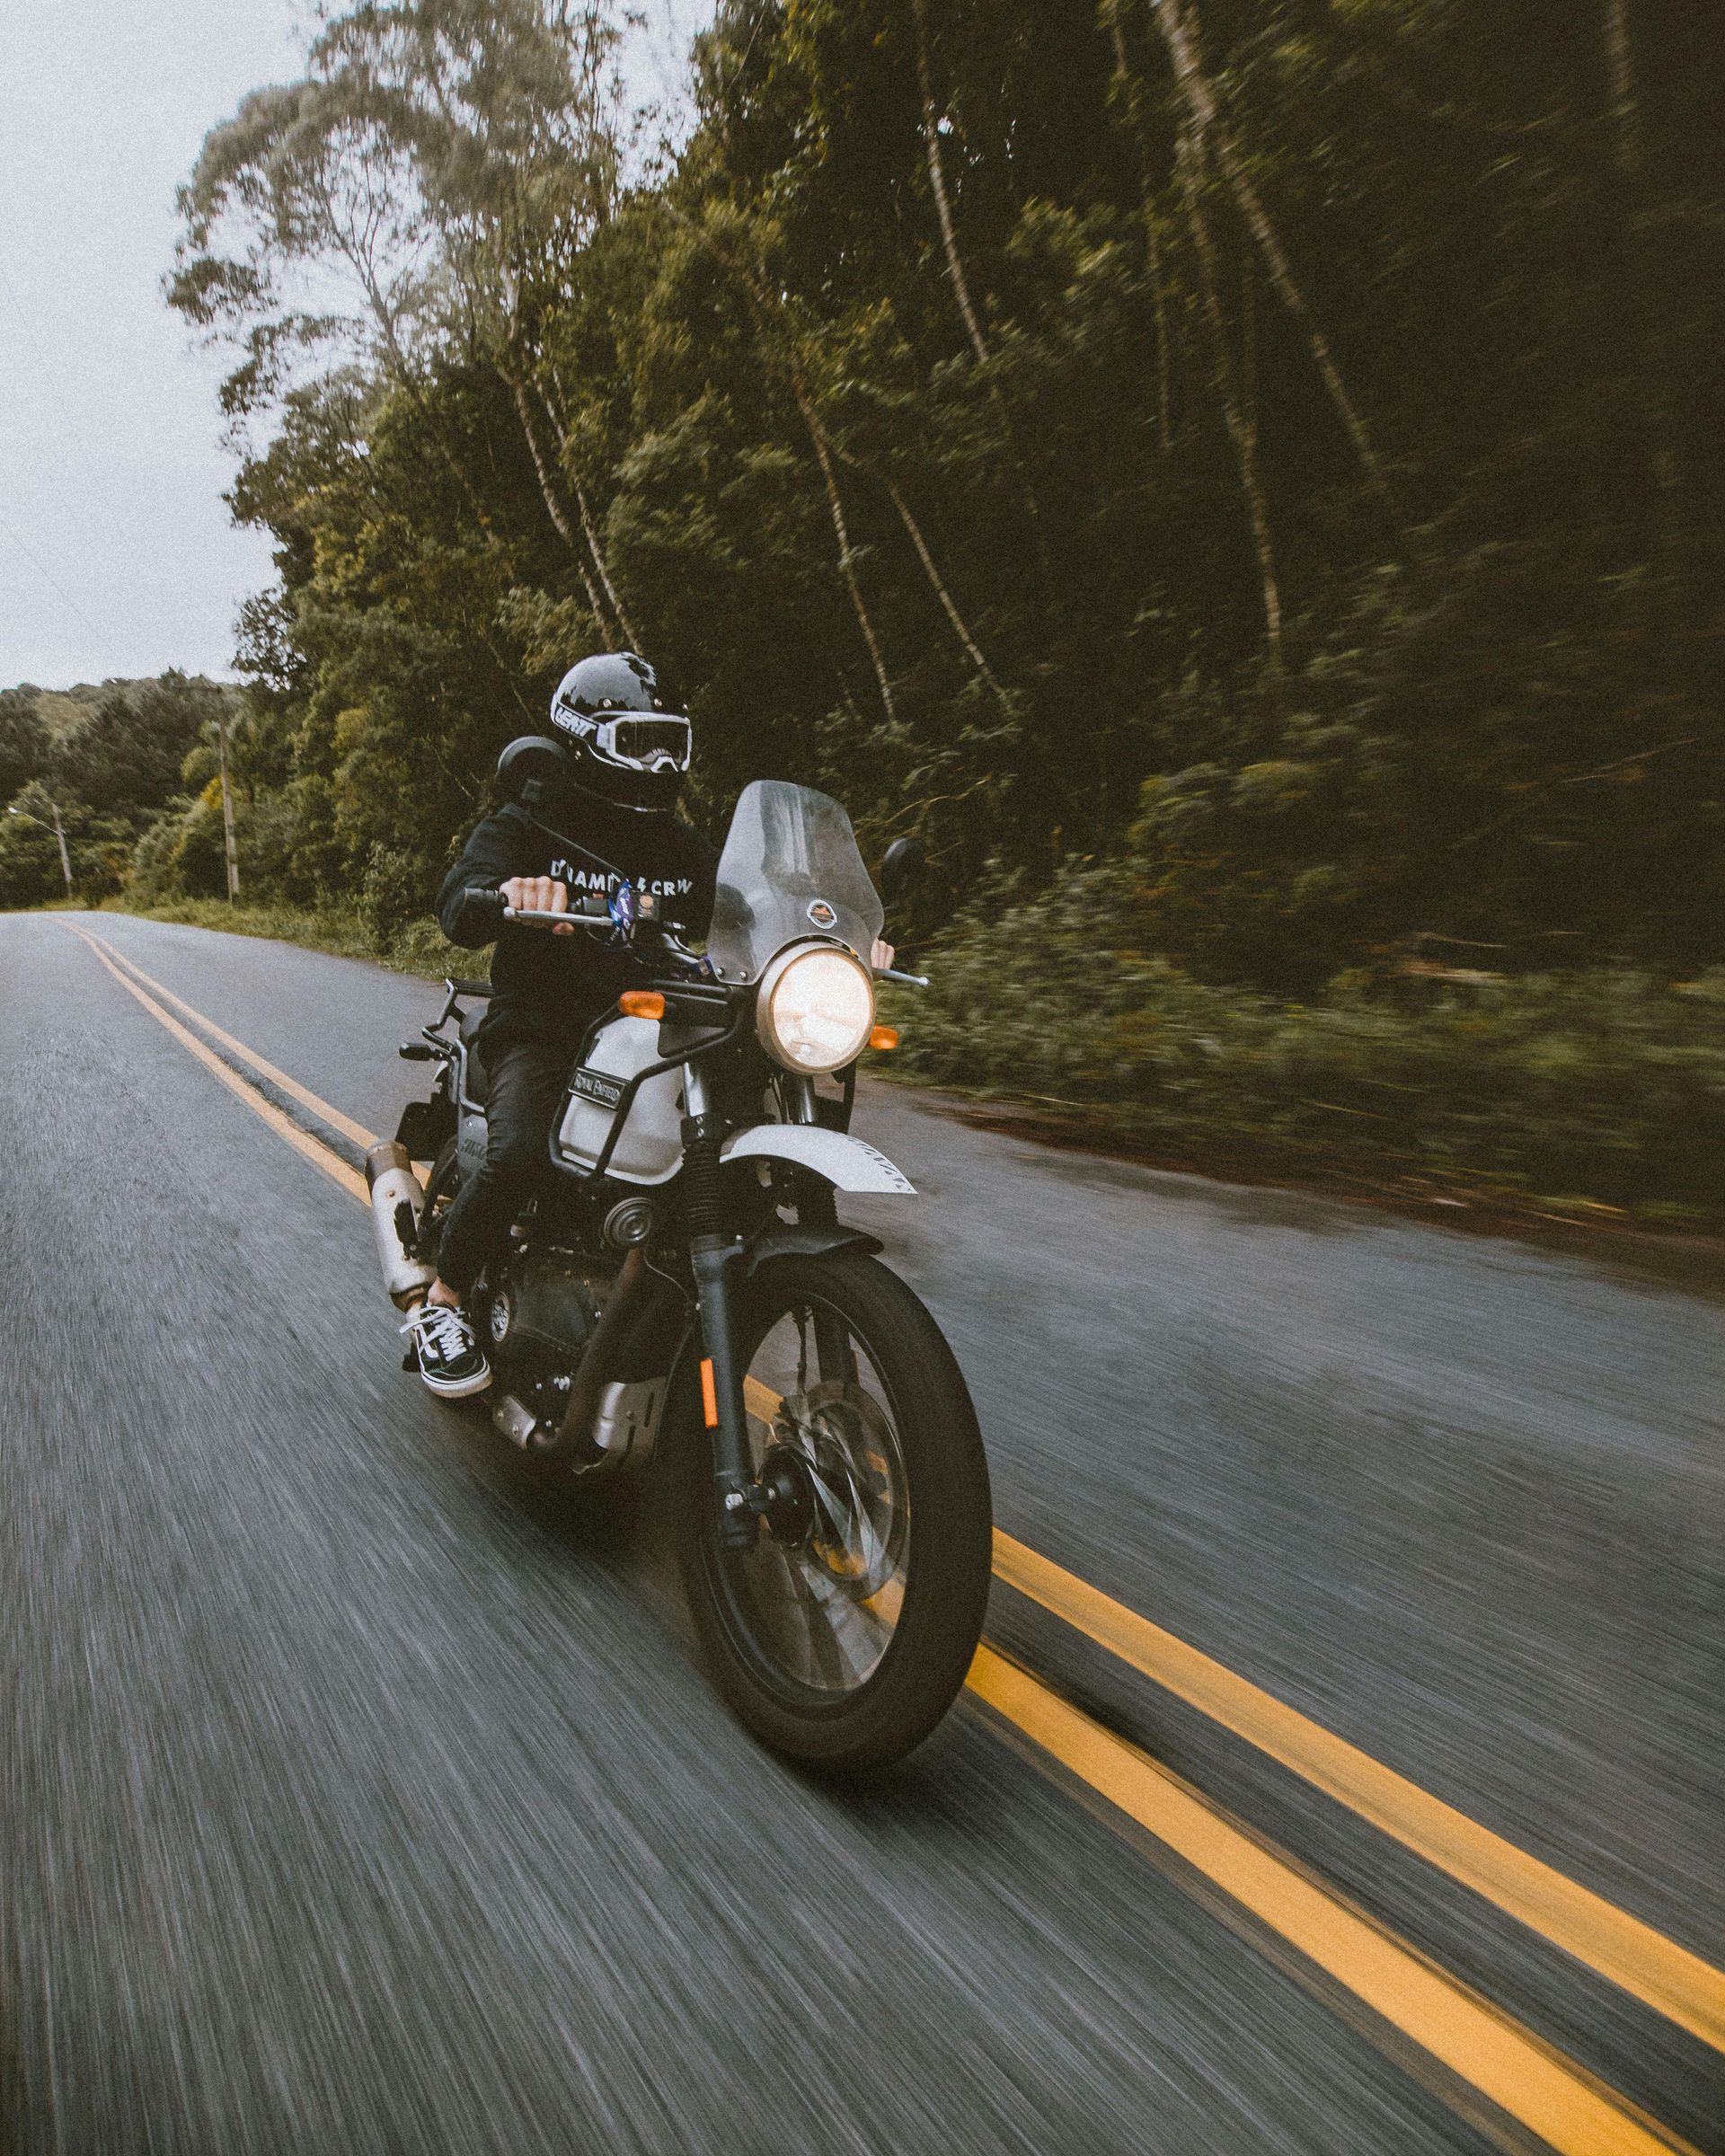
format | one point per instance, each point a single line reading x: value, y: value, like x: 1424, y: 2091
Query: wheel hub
x: 788, y: 1487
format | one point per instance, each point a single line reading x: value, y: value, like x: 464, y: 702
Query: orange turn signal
x: 642, y: 1002
x: 884, y: 1037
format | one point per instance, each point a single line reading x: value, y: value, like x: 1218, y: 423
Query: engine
x: 539, y: 1318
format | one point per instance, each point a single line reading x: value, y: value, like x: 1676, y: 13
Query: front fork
x: 715, y: 1257
x: 815, y: 1209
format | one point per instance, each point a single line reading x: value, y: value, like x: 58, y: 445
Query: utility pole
x: 230, y: 846
x: 59, y: 833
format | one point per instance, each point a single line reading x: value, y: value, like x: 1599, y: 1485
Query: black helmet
x: 627, y: 746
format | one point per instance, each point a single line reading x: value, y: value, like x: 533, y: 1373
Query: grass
x: 418, y: 949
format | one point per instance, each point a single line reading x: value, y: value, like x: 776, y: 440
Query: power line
x: 48, y: 577
x: 70, y: 424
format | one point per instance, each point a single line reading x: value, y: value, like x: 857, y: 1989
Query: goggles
x: 646, y: 741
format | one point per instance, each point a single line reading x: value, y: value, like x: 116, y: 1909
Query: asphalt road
x: 358, y: 1799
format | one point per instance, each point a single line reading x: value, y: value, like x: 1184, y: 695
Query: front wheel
x: 843, y: 1635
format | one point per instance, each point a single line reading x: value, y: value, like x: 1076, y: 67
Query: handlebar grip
x: 586, y: 909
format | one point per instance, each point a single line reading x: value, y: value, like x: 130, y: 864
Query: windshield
x: 790, y: 871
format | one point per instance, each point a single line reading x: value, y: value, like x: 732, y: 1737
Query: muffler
x: 397, y: 1202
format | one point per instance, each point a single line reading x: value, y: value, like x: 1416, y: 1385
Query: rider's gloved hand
x: 538, y: 895
x: 882, y: 956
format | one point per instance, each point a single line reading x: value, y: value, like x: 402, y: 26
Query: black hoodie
x: 548, y: 986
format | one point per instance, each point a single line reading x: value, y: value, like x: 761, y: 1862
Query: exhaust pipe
x: 397, y: 1202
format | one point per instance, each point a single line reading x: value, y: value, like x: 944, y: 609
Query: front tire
x: 843, y: 1636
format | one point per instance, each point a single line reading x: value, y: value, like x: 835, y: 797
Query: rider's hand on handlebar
x: 880, y: 956
x: 538, y: 895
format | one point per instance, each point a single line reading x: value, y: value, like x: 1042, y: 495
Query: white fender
x: 845, y: 1162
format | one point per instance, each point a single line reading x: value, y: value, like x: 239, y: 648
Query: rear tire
x: 899, y: 1576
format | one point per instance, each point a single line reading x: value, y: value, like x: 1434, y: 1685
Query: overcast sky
x: 110, y: 468
x: 117, y: 555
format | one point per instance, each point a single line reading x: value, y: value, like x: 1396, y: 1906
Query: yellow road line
x: 1632, y: 1953
x: 301, y: 1141
x: 333, y: 1116
x: 1549, y: 2094
x: 1619, y: 1947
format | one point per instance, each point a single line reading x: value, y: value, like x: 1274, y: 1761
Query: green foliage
x: 1599, y: 1091
x: 109, y: 760
x: 22, y: 740
x: 1256, y: 449
x: 914, y: 418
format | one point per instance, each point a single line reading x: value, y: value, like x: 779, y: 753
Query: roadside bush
x: 1602, y: 1089
x: 153, y: 876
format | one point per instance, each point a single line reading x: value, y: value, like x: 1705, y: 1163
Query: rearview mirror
x: 532, y: 768
x: 900, y: 866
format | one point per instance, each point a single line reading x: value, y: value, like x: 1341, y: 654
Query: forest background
x: 1241, y: 482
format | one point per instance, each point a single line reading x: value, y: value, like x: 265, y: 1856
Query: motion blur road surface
x: 358, y: 1796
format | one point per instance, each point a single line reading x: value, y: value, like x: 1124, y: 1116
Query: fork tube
x: 714, y: 1255
x: 815, y: 1208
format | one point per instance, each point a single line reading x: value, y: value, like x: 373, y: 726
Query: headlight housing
x: 814, y: 1010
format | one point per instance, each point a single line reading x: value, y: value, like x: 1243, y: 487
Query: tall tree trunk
x: 938, y: 585
x: 766, y: 315
x: 1241, y: 432
x: 1630, y: 152
x: 937, y: 180
x: 554, y: 507
x: 1132, y: 90
x: 559, y: 430
x: 612, y: 593
x: 841, y: 532
x: 1213, y: 139
x: 961, y: 288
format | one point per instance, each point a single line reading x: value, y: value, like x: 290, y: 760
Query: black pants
x: 527, y: 1079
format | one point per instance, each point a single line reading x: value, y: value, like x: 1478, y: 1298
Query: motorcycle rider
x: 607, y: 820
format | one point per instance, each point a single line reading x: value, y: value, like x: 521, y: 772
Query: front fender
x: 785, y: 1241
x: 847, y: 1163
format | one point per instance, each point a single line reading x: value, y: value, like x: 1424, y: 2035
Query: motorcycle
x: 683, y: 1289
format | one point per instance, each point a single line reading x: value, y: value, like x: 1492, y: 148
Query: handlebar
x: 592, y: 909
x: 586, y: 909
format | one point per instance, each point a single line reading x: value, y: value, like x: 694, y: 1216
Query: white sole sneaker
x: 456, y: 1388
x: 446, y: 1352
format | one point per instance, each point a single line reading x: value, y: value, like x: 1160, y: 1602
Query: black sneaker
x: 448, y: 1351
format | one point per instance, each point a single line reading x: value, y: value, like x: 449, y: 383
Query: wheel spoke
x: 822, y: 1592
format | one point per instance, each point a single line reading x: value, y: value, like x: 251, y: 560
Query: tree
x: 1239, y: 443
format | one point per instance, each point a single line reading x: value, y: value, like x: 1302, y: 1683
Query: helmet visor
x: 643, y: 741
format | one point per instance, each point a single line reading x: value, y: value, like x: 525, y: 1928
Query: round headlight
x: 815, y: 1008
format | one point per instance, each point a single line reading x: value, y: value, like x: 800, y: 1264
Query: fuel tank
x: 649, y: 1147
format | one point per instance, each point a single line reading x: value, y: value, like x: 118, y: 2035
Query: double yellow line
x: 1551, y: 2095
